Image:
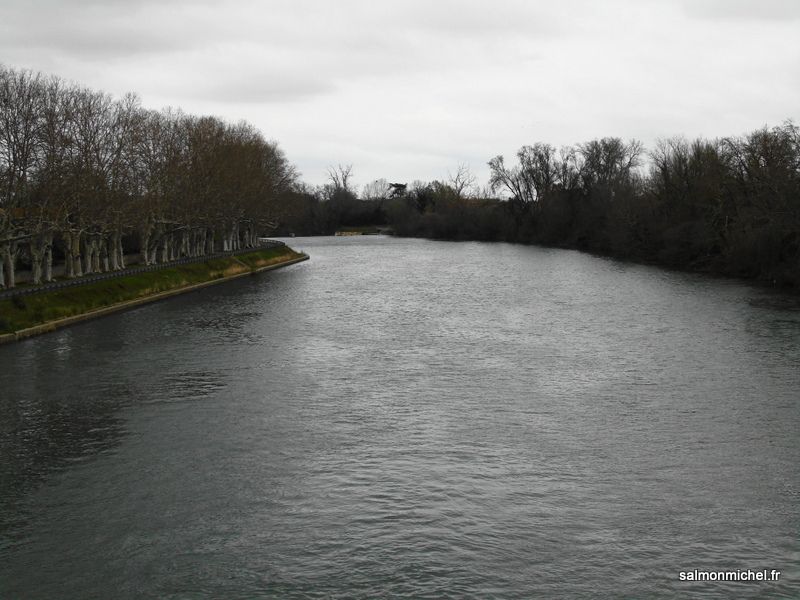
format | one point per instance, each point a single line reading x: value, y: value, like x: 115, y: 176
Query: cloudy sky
x: 408, y: 89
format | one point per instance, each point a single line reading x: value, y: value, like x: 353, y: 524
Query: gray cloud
x: 89, y: 30
x: 264, y: 87
x: 744, y: 9
x: 409, y: 88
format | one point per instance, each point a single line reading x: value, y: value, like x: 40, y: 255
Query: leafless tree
x: 84, y: 170
x: 339, y: 177
x: 463, y: 181
x: 377, y: 190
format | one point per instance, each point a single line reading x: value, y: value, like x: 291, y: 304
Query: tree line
x: 728, y: 205
x: 86, y: 177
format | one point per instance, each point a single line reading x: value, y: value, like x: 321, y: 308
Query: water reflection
x: 64, y: 395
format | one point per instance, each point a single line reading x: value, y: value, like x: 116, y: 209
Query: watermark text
x: 732, y: 575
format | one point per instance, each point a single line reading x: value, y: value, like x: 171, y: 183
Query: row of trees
x: 86, y: 176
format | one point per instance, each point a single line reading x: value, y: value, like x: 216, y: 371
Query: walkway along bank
x: 50, y: 309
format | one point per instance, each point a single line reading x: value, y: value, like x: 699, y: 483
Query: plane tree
x: 90, y: 175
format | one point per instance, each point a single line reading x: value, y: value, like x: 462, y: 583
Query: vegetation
x: 360, y: 229
x: 36, y: 309
x: 85, y: 178
x: 730, y: 206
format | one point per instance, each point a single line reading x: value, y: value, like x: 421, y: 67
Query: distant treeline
x: 729, y: 206
x: 86, y: 177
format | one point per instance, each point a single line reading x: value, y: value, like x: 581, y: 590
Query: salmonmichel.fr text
x: 737, y: 575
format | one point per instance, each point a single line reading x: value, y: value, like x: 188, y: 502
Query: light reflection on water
x: 409, y: 418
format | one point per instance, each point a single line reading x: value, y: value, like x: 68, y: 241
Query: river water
x: 408, y: 418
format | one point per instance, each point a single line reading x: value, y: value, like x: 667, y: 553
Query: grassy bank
x: 24, y: 312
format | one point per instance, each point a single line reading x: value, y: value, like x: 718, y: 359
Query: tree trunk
x: 77, y: 258
x: 144, y: 245
x: 69, y: 266
x: 104, y: 253
x: 111, y: 251
x: 90, y: 259
x: 9, y: 258
x: 48, y: 258
x: 96, y: 255
x: 120, y: 251
x: 37, y: 253
x: 87, y: 256
x: 77, y: 244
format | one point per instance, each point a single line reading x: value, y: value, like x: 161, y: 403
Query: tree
x: 340, y: 177
x: 463, y: 181
x: 20, y: 119
x: 81, y: 169
x: 377, y: 190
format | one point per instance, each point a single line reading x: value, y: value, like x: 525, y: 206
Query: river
x: 409, y: 418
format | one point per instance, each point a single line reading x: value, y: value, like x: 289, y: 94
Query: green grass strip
x: 27, y: 311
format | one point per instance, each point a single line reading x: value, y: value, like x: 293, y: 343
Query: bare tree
x: 84, y: 170
x: 463, y: 181
x: 609, y: 161
x: 377, y: 190
x: 514, y: 181
x: 339, y: 177
x: 20, y: 119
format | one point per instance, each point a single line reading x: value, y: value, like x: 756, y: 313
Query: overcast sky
x: 408, y: 89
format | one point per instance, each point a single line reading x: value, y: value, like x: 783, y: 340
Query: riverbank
x: 783, y: 277
x: 27, y: 316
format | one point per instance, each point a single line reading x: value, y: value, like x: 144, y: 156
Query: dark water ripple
x: 403, y: 418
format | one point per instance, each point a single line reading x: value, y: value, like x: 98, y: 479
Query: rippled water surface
x: 406, y: 418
